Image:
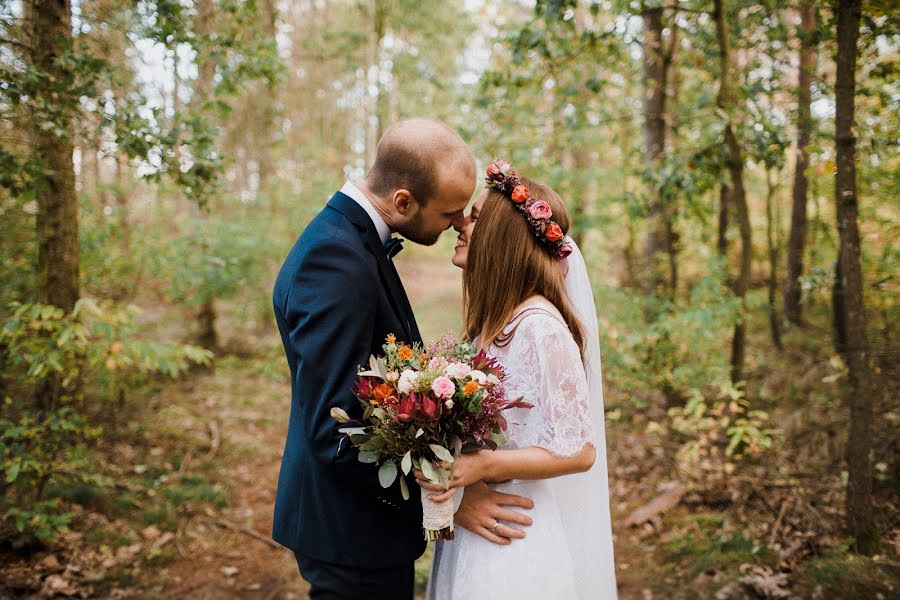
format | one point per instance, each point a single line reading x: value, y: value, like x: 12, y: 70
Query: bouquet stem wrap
x: 437, y: 518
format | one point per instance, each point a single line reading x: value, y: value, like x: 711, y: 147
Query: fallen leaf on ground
x: 56, y: 585
x: 662, y: 503
x: 229, y: 571
x: 150, y: 533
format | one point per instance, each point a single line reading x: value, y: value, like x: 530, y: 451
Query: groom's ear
x: 404, y: 201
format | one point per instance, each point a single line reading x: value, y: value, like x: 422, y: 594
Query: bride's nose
x: 459, y: 222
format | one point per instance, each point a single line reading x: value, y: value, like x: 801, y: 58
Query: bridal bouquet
x: 423, y: 408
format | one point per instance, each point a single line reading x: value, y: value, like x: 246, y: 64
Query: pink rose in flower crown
x: 564, y: 251
x: 541, y: 210
x: 498, y: 169
x: 443, y: 388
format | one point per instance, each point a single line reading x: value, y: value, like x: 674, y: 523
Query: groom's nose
x: 459, y: 221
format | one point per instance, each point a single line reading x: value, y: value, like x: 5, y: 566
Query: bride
x: 528, y: 302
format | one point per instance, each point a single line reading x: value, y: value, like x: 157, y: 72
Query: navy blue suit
x: 336, y: 298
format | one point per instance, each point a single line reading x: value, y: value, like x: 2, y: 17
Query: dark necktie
x: 393, y: 246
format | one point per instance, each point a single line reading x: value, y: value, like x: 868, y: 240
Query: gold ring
x: 494, y: 528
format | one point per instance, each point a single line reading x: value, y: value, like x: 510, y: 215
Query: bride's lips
x: 461, y: 242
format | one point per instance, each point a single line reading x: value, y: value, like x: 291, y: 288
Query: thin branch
x: 677, y: 8
x: 4, y: 40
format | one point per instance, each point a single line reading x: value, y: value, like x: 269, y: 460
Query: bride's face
x: 461, y: 252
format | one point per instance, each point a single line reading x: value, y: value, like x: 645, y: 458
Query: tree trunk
x: 122, y: 201
x: 736, y: 196
x: 654, y: 69
x: 372, y: 77
x: 57, y: 217
x: 57, y: 202
x: 797, y: 237
x: 724, y: 218
x: 267, y: 126
x: 771, y: 224
x: 862, y: 391
x: 206, y: 70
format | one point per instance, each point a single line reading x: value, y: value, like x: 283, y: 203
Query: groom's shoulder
x: 330, y: 227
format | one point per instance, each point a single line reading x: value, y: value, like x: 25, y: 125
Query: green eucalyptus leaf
x: 441, y: 452
x: 368, y: 457
x: 387, y: 473
x: 404, y: 488
x: 406, y: 462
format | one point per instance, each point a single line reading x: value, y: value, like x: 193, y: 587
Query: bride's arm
x: 563, y: 443
x: 502, y: 465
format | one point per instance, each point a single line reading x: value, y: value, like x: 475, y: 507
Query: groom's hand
x: 482, y: 508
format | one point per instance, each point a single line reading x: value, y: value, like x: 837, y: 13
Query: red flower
x: 428, y: 407
x: 407, y: 406
x: 493, y: 170
x: 364, y: 388
x: 553, y: 233
x: 519, y: 194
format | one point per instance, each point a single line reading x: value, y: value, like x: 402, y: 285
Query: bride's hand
x: 467, y: 469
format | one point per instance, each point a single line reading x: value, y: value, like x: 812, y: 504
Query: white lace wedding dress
x: 567, y: 552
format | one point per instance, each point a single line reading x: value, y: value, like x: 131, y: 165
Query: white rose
x: 478, y: 376
x: 493, y: 379
x: 457, y: 370
x: 409, y: 379
x: 449, y: 404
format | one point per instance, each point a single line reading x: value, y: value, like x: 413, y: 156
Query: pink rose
x: 564, y: 251
x: 541, y: 210
x: 443, y: 387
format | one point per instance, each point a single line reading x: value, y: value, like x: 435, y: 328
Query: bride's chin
x: 459, y: 260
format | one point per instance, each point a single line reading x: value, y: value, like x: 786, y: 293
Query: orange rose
x: 405, y: 353
x: 519, y: 194
x: 553, y: 233
x: 470, y: 388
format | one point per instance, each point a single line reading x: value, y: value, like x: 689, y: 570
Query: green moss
x: 707, y: 547
x: 161, y: 516
x: 194, y: 489
x: 841, y: 574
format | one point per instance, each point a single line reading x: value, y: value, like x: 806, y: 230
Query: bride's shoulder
x: 536, y: 314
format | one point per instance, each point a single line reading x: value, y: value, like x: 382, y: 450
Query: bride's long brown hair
x: 506, y: 265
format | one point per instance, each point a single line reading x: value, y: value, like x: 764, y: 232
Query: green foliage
x: 680, y: 348
x: 95, y: 345
x: 842, y: 574
x: 213, y: 258
x: 707, y: 542
x: 719, y: 432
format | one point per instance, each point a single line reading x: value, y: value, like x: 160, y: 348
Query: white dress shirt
x: 383, y: 229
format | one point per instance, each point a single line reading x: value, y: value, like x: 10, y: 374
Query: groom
x: 336, y: 298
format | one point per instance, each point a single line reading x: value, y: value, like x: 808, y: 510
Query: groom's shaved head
x: 414, y: 155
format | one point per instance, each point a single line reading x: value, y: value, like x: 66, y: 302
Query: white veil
x: 584, y: 498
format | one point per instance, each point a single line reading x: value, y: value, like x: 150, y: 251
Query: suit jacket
x: 336, y: 298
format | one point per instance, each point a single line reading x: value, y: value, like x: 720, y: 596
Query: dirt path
x: 248, y: 401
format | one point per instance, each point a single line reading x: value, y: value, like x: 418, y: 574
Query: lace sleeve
x: 559, y: 384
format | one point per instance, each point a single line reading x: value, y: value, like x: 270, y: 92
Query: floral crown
x: 503, y: 178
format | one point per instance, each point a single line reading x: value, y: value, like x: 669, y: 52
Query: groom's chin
x: 422, y: 239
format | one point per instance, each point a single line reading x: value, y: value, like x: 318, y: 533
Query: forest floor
x: 195, y: 464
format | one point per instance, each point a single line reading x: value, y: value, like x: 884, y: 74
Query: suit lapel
x: 357, y: 215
